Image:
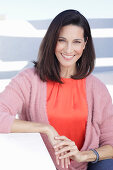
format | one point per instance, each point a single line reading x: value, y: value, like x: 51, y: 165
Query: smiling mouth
x: 67, y: 57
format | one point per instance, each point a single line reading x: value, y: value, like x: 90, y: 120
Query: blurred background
x: 23, y: 23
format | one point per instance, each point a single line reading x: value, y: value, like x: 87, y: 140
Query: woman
x: 60, y: 99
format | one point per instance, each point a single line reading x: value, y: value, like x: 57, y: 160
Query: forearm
x: 105, y: 152
x: 20, y: 126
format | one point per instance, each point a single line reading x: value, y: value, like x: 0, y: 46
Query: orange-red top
x: 67, y: 108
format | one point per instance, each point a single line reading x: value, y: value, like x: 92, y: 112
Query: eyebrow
x: 78, y: 39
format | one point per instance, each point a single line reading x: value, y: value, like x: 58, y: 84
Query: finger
x: 57, y: 160
x: 66, y: 161
x: 55, y: 145
x: 66, y: 149
x: 64, y: 143
x: 62, y: 138
x: 69, y: 161
x: 62, y: 161
x: 63, y: 150
x: 66, y: 155
x: 57, y: 157
x: 60, y: 144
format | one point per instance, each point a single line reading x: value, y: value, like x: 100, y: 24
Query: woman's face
x: 70, y: 45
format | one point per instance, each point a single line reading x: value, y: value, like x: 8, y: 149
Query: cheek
x: 59, y: 47
x: 79, y: 50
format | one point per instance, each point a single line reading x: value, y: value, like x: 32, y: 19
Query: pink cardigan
x: 26, y: 95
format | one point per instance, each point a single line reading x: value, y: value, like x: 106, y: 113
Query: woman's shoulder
x: 96, y: 85
x: 28, y: 71
x: 92, y: 79
x: 27, y: 75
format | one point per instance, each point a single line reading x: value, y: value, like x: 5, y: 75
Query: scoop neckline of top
x: 66, y: 79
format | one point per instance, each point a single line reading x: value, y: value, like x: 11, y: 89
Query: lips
x: 67, y: 57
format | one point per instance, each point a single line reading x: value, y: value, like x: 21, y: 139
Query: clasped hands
x: 65, y: 149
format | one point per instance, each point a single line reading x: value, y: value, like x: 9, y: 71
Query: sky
x: 48, y: 9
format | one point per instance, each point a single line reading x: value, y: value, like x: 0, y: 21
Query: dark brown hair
x: 47, y: 65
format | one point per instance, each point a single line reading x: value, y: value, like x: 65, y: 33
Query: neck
x: 67, y: 72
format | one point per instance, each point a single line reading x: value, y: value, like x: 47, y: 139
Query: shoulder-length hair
x: 47, y: 65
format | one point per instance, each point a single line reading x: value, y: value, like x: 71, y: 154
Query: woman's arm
x: 105, y: 152
x: 21, y: 126
x: 13, y: 100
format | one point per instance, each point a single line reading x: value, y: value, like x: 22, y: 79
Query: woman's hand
x: 68, y: 149
x: 52, y: 133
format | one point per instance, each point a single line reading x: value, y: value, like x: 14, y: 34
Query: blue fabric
x: 106, y: 164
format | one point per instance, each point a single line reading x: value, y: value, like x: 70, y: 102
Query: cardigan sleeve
x: 13, y: 99
x: 106, y: 127
x: 103, y: 110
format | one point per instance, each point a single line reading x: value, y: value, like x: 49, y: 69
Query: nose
x: 69, y: 48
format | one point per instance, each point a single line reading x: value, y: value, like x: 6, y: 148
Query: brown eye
x: 77, y: 42
x: 60, y: 40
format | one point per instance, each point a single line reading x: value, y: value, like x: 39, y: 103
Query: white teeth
x: 67, y: 56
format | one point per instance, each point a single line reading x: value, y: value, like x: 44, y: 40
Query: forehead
x: 72, y: 31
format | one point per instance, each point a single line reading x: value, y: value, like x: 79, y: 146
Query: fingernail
x: 56, y: 137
